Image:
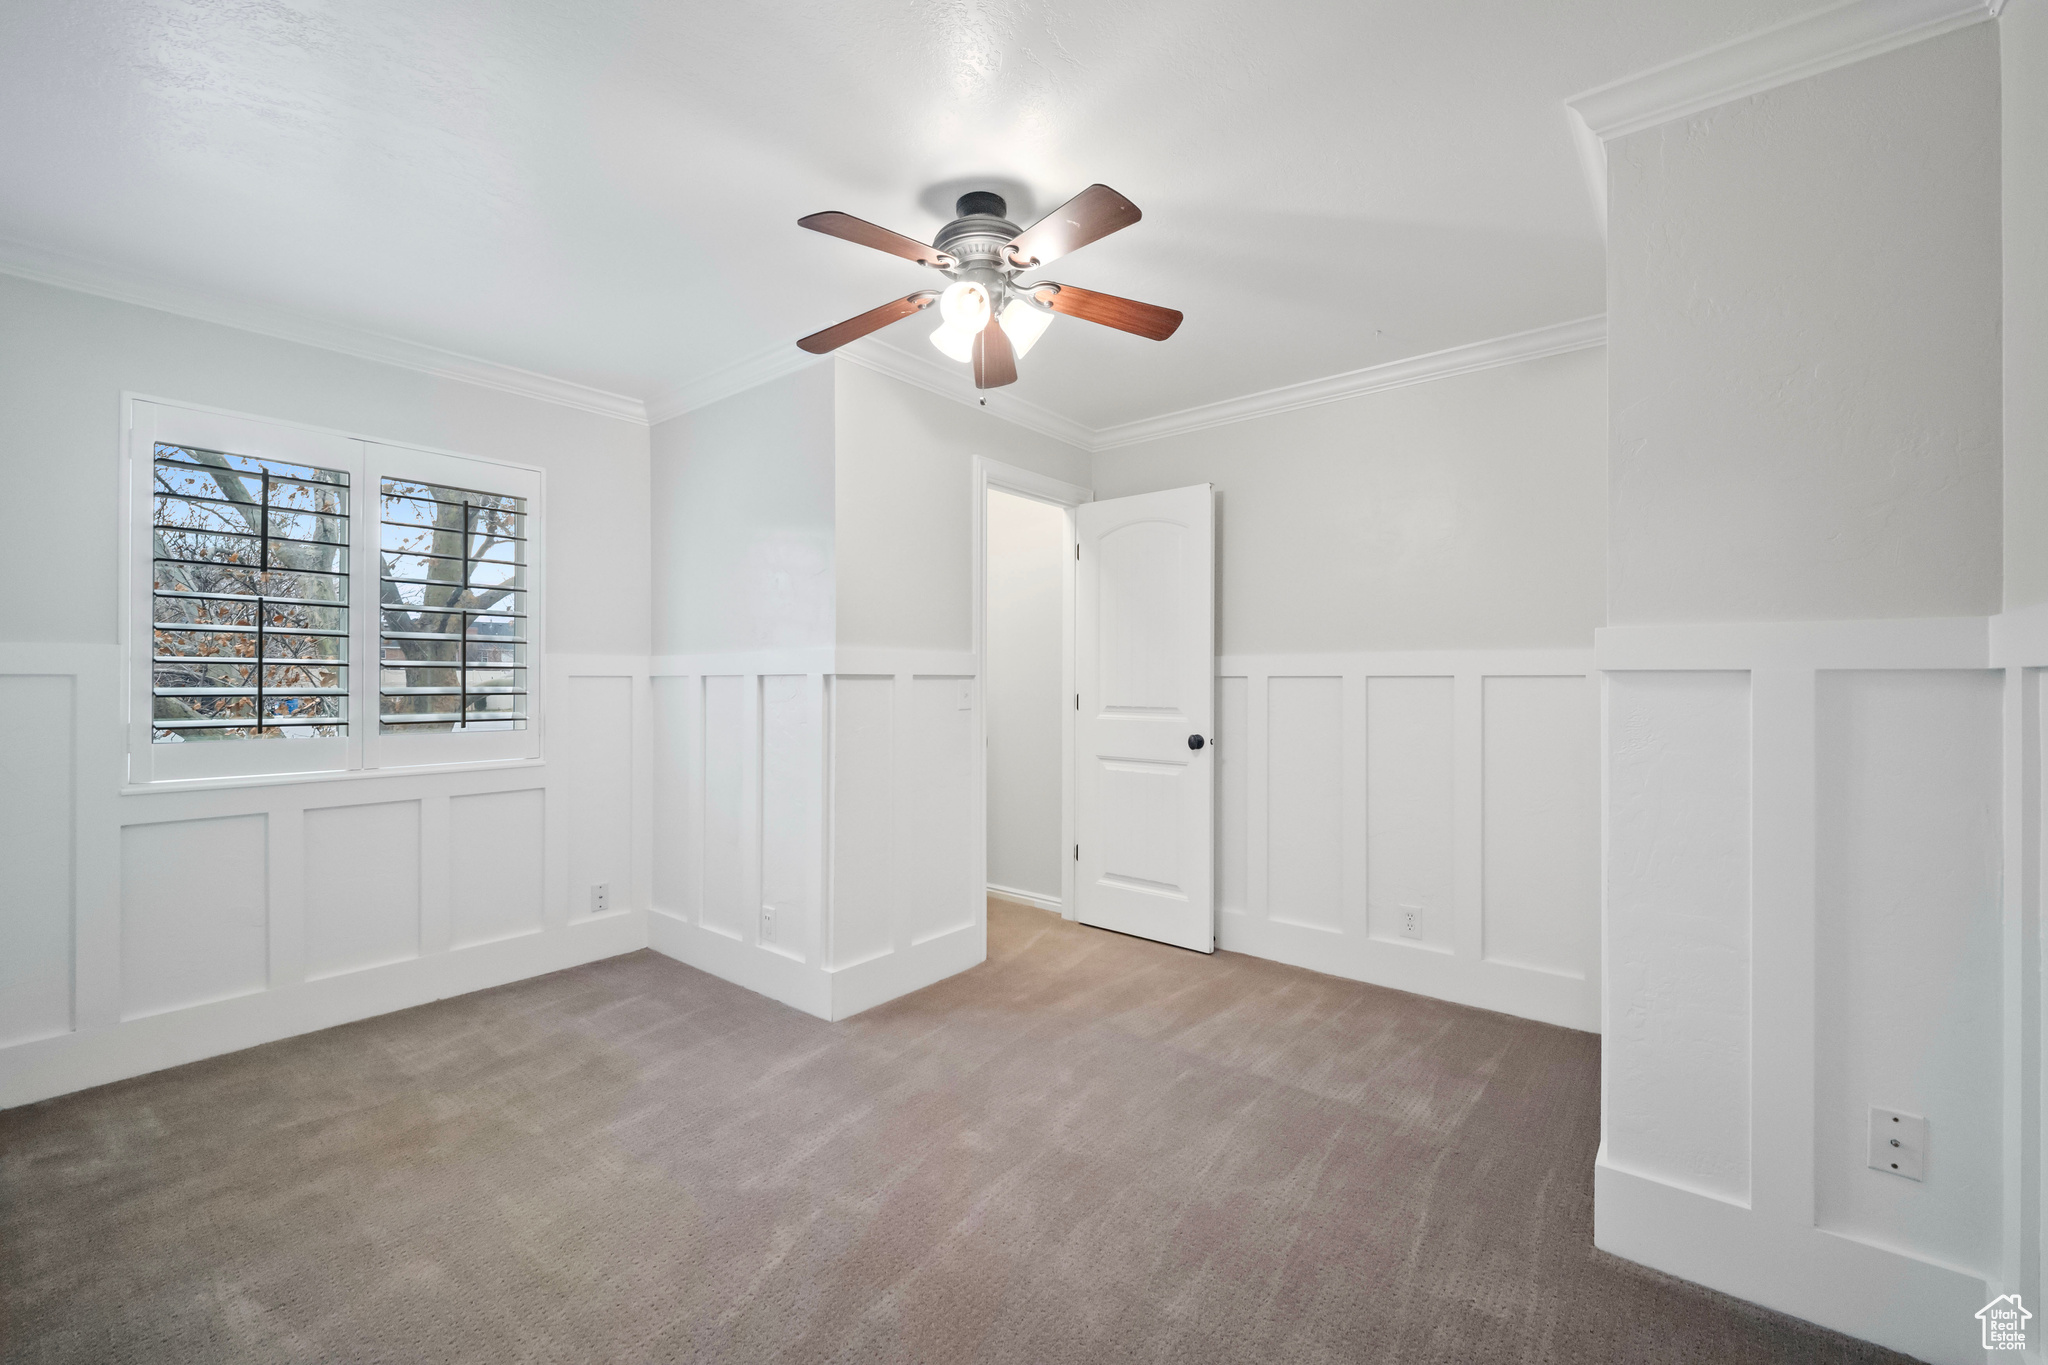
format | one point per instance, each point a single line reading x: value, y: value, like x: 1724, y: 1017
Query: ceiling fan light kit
x: 988, y: 319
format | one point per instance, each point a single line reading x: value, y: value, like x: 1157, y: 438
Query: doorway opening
x: 1024, y: 603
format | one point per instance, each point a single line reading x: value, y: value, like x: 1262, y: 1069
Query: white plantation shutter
x: 249, y: 597
x: 374, y: 606
x: 452, y: 607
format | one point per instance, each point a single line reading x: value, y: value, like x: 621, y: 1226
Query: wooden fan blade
x: 861, y: 231
x: 1092, y: 214
x: 995, y: 360
x: 1126, y: 315
x: 874, y: 320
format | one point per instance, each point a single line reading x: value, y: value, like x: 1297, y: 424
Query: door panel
x: 1144, y: 666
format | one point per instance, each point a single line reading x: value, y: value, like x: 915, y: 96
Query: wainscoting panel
x: 1354, y: 789
x: 841, y: 792
x: 731, y: 755
x: 37, y: 837
x: 1807, y: 918
x: 1233, y: 763
x: 161, y: 924
x: 494, y: 865
x: 1676, y: 1050
x: 678, y: 864
x: 598, y: 749
x: 936, y: 788
x: 1542, y: 776
x: 791, y: 748
x: 195, y: 912
x: 362, y: 886
x: 1907, y: 842
x: 1305, y: 802
x: 864, y: 893
x: 1411, y: 804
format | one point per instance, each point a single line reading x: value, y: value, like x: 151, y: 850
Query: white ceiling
x: 607, y: 192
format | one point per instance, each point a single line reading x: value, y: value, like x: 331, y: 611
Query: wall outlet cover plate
x: 1898, y: 1143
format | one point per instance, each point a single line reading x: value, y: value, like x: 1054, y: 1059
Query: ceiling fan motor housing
x: 976, y: 240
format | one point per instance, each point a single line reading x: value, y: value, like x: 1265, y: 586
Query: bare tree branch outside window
x: 453, y: 635
x: 250, y: 600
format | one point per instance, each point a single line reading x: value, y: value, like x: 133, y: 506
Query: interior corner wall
x: 1408, y: 586
x: 743, y: 559
x: 907, y: 841
x: 2023, y: 94
x: 1805, y: 739
x: 817, y: 754
x: 904, y: 495
x: 90, y: 877
x: 742, y: 521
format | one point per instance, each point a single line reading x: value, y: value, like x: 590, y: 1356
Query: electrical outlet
x: 767, y: 924
x: 600, y: 898
x: 1898, y: 1143
x: 1411, y: 921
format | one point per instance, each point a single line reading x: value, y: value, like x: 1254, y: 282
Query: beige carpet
x: 1091, y: 1148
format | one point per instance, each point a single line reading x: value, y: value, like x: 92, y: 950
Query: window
x: 454, y: 609
x: 250, y: 543
x: 249, y: 590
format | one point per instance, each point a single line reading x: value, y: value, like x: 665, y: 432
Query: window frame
x: 367, y: 461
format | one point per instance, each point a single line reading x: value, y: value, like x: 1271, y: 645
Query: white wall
x: 742, y: 515
x: 1409, y: 582
x: 1464, y: 513
x: 1803, y: 311
x: 1803, y: 800
x: 2023, y: 95
x: 2023, y: 92
x: 905, y: 500
x: 1027, y: 546
x: 145, y: 929
x: 817, y: 771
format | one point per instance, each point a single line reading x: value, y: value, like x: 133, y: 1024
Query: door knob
x: 1196, y: 741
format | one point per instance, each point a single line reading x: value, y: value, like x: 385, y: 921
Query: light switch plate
x: 1898, y: 1143
x: 600, y: 898
x: 965, y: 698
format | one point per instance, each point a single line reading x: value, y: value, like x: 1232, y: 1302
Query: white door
x: 1145, y: 667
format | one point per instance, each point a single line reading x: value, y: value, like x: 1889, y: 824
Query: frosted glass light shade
x: 1024, y: 325
x: 964, y: 305
x: 956, y: 343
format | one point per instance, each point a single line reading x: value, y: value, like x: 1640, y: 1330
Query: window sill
x: 207, y: 784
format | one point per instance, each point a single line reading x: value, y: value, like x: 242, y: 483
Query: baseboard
x: 66, y: 1062
x: 826, y: 993
x: 783, y: 979
x: 879, y: 980
x: 1011, y: 893
x: 1526, y: 992
x: 1927, y: 1311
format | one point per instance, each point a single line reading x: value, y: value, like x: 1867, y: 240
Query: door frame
x: 989, y: 473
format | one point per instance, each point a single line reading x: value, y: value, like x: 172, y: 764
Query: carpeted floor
x: 1091, y: 1148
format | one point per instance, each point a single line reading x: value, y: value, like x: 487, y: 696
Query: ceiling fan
x: 987, y: 317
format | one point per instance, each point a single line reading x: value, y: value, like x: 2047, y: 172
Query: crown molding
x: 748, y: 372
x: 933, y: 376
x: 1558, y: 339
x: 1752, y: 64
x: 947, y: 381
x: 88, y: 277
x: 1768, y: 58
